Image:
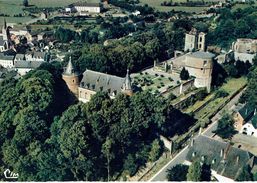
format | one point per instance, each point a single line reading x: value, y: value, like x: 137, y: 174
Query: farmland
x: 157, y: 5
x: 15, y: 7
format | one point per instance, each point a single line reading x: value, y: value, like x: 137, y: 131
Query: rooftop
x: 246, y: 112
x: 225, y: 159
x: 98, y: 81
x: 27, y: 64
x: 202, y: 54
x: 6, y: 57
x: 254, y: 121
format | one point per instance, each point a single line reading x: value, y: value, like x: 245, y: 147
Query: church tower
x: 71, y: 78
x: 127, y: 88
x: 5, y: 31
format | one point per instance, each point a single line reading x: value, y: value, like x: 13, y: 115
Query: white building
x: 7, y: 61
x: 83, y: 7
x: 23, y: 67
x: 250, y: 128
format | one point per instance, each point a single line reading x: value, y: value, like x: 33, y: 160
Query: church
x: 93, y: 82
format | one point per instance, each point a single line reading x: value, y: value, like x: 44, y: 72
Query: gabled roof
x: 6, y: 57
x: 97, y: 81
x: 246, y: 112
x: 228, y: 164
x: 27, y: 64
x: 254, y: 121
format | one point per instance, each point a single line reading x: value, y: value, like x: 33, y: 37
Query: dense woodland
x: 44, y: 137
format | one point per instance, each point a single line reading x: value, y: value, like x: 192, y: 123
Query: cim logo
x: 8, y: 174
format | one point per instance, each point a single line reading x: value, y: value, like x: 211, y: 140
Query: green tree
x: 245, y: 174
x: 25, y: 3
x: 130, y: 165
x: 206, y: 172
x: 255, y: 60
x: 194, y: 172
x: 107, y: 151
x: 184, y: 74
x: 177, y: 173
x: 156, y: 150
x: 225, y: 127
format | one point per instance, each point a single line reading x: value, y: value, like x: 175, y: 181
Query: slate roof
x: 27, y: 64
x: 202, y: 54
x: 6, y: 57
x: 228, y: 165
x: 36, y: 54
x: 19, y: 57
x: 254, y: 121
x: 246, y: 112
x: 1, y: 41
x: 98, y: 81
x: 69, y: 70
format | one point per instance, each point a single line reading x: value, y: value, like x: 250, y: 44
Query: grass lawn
x: 152, y: 82
x: 242, y: 6
x: 157, y: 4
x: 231, y: 87
x: 14, y: 7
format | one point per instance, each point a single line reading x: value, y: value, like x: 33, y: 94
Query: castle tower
x: 127, y: 88
x: 71, y: 78
x: 191, y: 40
x: 201, y: 41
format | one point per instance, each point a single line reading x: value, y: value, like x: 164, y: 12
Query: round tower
x: 71, y: 78
x: 127, y: 88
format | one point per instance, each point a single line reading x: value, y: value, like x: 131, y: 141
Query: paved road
x: 179, y: 158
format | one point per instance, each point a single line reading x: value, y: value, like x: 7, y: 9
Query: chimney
x: 192, y: 142
x: 221, y: 153
x: 254, y: 112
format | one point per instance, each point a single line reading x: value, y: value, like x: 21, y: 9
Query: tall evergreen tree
x: 184, y: 74
x: 194, y: 172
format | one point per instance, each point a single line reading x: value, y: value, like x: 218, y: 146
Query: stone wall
x: 178, y: 90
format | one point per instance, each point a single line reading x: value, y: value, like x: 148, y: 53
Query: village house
x: 226, y: 160
x: 93, y: 82
x: 242, y: 115
x: 7, y: 61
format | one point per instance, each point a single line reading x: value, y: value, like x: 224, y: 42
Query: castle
x: 93, y: 82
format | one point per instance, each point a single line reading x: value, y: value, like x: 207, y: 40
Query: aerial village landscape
x: 128, y: 90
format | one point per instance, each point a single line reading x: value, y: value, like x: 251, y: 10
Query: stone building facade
x: 199, y: 65
x: 93, y: 82
x: 195, y: 41
x: 244, y: 49
x: 71, y: 78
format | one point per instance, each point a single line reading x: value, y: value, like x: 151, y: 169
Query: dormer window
x: 202, y: 158
x: 213, y: 161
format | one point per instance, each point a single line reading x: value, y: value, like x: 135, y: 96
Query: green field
x: 14, y: 7
x: 157, y: 5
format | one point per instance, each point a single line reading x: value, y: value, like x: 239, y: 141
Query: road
x: 179, y: 158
